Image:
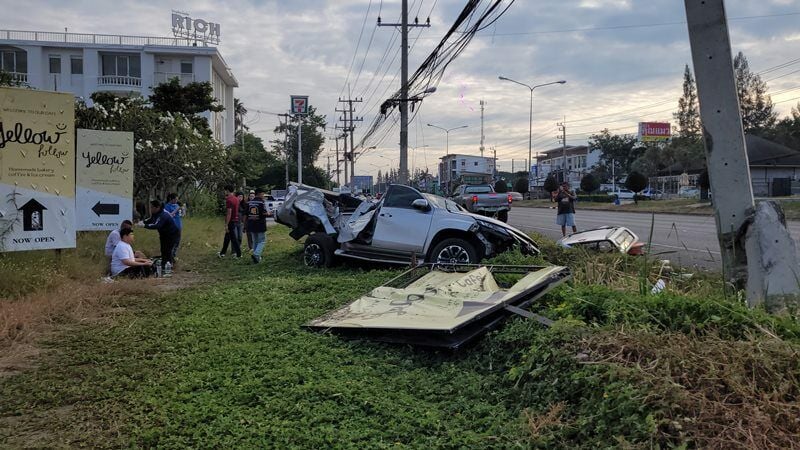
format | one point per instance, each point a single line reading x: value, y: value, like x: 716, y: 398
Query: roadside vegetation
x: 217, y: 357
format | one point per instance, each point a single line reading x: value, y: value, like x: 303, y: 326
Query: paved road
x: 690, y: 240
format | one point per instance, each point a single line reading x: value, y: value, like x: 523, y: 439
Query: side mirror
x: 421, y: 204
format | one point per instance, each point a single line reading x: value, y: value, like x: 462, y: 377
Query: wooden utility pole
x: 757, y: 250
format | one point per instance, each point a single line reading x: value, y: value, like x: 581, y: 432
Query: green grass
x: 226, y: 364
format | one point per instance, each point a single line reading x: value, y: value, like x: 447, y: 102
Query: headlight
x: 493, y: 227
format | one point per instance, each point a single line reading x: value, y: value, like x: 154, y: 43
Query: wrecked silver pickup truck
x: 405, y: 226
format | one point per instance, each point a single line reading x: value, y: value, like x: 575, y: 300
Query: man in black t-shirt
x: 257, y: 224
x: 566, y: 208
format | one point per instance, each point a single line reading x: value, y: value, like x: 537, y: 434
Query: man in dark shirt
x: 168, y: 232
x: 257, y: 224
x: 233, y: 233
x: 566, y: 208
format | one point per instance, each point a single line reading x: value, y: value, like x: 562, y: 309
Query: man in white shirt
x: 124, y: 261
x: 113, y: 237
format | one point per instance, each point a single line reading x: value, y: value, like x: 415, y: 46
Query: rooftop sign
x: 184, y: 26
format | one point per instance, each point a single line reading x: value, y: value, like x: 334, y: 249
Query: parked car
x: 516, y: 196
x: 403, y: 227
x: 689, y: 192
x: 272, y: 205
x: 482, y: 199
x: 622, y: 194
x: 652, y: 193
x: 605, y: 239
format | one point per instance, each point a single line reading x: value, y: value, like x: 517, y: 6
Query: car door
x: 400, y: 227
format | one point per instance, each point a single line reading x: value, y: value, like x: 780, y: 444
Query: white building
x: 580, y: 159
x: 83, y: 64
x: 460, y: 169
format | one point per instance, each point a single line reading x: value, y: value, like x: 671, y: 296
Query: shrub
x: 521, y: 185
x: 636, y: 182
x: 589, y: 183
x: 550, y: 184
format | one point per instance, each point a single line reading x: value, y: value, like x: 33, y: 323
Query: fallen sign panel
x: 442, y: 305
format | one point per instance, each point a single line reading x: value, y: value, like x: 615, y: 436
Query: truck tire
x: 502, y: 216
x: 454, y: 251
x: 318, y: 251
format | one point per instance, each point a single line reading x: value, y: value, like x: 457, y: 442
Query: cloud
x: 624, y: 66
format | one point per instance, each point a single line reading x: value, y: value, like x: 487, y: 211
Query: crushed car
x: 405, y: 226
x: 606, y: 240
x: 443, y: 305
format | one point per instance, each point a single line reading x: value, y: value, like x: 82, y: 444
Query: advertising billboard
x: 104, y: 193
x: 654, y: 131
x: 37, y: 170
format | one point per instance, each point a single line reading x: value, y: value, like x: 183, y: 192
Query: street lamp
x: 530, y: 119
x: 447, y: 134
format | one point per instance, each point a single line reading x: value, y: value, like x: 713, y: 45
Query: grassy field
x: 677, y: 206
x: 216, y: 357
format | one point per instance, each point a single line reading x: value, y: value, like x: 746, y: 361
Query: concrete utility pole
x: 482, y: 136
x: 336, y: 138
x: 562, y: 126
x: 757, y: 250
x: 404, y: 26
x: 300, y: 150
x: 286, y: 144
x: 494, y: 168
x: 350, y: 129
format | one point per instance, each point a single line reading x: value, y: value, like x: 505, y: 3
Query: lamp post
x: 530, y: 119
x: 447, y: 135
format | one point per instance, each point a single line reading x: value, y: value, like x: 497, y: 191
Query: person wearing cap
x: 566, y: 208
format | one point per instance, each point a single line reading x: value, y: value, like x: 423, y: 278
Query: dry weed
x: 726, y: 394
x: 537, y: 423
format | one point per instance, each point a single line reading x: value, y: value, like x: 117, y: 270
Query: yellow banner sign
x: 37, y: 170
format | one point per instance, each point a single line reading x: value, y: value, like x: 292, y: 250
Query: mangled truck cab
x: 405, y: 226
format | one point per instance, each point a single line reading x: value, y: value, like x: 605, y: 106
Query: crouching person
x: 124, y: 261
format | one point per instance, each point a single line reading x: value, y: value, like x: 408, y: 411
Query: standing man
x: 176, y: 212
x: 257, y: 224
x: 566, y: 208
x: 233, y: 234
x: 243, y: 213
x: 167, y: 232
x: 124, y: 260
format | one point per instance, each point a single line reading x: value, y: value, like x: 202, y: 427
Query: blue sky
x: 277, y: 48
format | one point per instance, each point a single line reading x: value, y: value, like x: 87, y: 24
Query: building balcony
x: 163, y: 77
x: 18, y: 76
x: 118, y: 82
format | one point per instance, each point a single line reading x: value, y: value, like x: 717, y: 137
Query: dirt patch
x: 24, y: 321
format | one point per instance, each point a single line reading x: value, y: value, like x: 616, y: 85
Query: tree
x: 755, y: 105
x: 787, y: 130
x: 313, y: 141
x: 589, y: 183
x: 550, y: 184
x: 500, y: 186
x: 636, y: 182
x: 688, y: 115
x: 616, y: 147
x: 171, y: 154
x: 239, y: 112
x: 249, y: 158
x: 189, y: 100
x: 521, y: 185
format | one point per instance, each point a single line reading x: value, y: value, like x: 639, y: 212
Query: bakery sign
x: 37, y: 170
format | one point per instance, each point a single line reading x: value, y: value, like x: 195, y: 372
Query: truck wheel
x: 318, y: 251
x: 502, y: 216
x: 454, y: 251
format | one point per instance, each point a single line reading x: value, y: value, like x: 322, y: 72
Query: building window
x: 476, y: 163
x: 186, y: 67
x: 14, y: 61
x: 55, y: 64
x: 76, y: 65
x: 122, y: 66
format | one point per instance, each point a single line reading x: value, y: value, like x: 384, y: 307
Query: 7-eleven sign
x: 299, y: 104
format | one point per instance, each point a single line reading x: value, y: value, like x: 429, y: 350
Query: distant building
x: 83, y: 64
x: 464, y: 169
x: 774, y: 169
x: 363, y: 183
x: 579, y: 161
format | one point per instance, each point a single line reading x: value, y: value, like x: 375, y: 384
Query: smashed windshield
x: 443, y: 203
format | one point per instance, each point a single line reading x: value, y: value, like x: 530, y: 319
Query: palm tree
x: 239, y: 111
